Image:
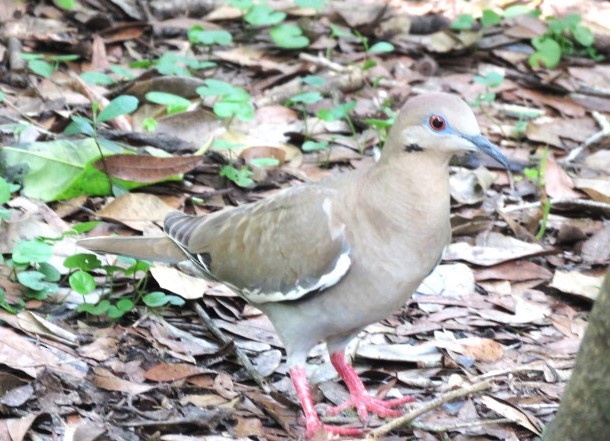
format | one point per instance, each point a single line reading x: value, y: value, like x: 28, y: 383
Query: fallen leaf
x: 146, y: 168
x: 104, y: 379
x: 512, y: 413
x: 577, y: 283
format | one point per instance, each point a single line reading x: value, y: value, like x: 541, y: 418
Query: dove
x: 325, y: 259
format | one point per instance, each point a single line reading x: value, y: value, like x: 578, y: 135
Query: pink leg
x: 359, y: 397
x: 298, y: 375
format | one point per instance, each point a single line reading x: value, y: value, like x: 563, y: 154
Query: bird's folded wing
x: 161, y: 248
x: 277, y: 249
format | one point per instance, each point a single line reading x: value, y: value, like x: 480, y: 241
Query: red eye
x: 437, y: 123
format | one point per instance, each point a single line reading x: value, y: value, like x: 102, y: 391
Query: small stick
x: 603, y: 122
x: 554, y: 202
x: 224, y: 340
x: 457, y: 426
x: 450, y: 396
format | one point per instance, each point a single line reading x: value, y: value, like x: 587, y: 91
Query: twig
x: 224, y: 340
x: 555, y: 202
x: 407, y: 418
x: 323, y: 61
x: 603, y: 122
x: 457, y: 426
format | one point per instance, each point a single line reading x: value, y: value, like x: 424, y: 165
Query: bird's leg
x: 298, y: 375
x: 358, y: 396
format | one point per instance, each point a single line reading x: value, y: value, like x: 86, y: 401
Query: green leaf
x: 463, y: 22
x: 97, y: 78
x: 121, y: 105
x: 51, y: 274
x: 241, y: 177
x: 531, y: 173
x: 173, y: 102
x: 123, y: 72
x: 288, y: 36
x: 149, y: 124
x: 221, y: 144
x: 314, y: 80
x: 98, y: 309
x: 264, y: 162
x: 264, y: 15
x: 312, y: 146
x: 82, y: 282
x: 381, y: 47
x: 1, y: 96
x: 197, y: 35
x: 83, y: 227
x: 42, y: 68
x: 61, y: 169
x: 242, y: 4
x: 547, y: 52
x: 215, y: 88
x: 82, y: 261
x: 63, y: 58
x: 5, y: 192
x: 515, y: 10
x: 80, y: 126
x: 125, y: 305
x: 227, y: 108
x: 337, y: 112
x: 65, y: 4
x: 583, y: 35
x: 490, y: 18
x: 32, y: 280
x: 155, y: 299
x: 306, y: 98
x: 491, y: 79
x: 32, y: 251
x: 318, y: 5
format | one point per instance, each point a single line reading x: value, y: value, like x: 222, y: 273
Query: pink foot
x: 359, y: 397
x: 315, y: 428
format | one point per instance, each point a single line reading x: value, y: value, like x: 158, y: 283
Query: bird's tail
x: 160, y: 249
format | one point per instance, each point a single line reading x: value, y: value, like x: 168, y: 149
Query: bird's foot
x: 318, y: 431
x: 364, y: 403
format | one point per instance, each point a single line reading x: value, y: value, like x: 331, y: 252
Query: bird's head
x: 442, y: 123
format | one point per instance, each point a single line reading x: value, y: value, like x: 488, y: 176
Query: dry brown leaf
x: 425, y: 353
x: 176, y: 281
x: 104, y: 379
x: 494, y: 249
x: 512, y: 413
x: 597, y: 188
x: 15, y: 429
x: 146, y: 168
x: 136, y: 210
x: 557, y: 182
x: 101, y: 349
x: 518, y: 270
x: 577, y: 283
x: 18, y: 352
x: 481, y: 349
x: 173, y: 371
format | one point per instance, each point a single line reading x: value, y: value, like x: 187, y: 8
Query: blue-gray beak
x: 484, y: 145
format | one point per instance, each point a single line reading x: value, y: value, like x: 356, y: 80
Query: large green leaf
x: 58, y: 170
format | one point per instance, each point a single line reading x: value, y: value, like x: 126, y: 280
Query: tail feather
x: 160, y: 249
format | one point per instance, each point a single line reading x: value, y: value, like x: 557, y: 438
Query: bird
x: 325, y: 259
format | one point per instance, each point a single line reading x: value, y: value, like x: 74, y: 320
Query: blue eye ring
x: 437, y: 123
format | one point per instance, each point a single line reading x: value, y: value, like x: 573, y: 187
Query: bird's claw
x: 366, y: 403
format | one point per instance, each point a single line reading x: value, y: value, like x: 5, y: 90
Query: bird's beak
x: 484, y: 145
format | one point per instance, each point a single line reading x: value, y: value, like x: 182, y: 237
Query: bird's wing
x: 160, y: 249
x: 277, y: 249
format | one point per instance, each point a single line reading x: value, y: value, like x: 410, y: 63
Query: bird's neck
x: 413, y: 181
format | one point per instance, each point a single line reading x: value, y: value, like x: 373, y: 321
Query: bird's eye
x: 437, y: 123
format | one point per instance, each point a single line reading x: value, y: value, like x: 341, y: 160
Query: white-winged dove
x: 324, y: 260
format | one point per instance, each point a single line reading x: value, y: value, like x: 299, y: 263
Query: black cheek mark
x: 413, y: 148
